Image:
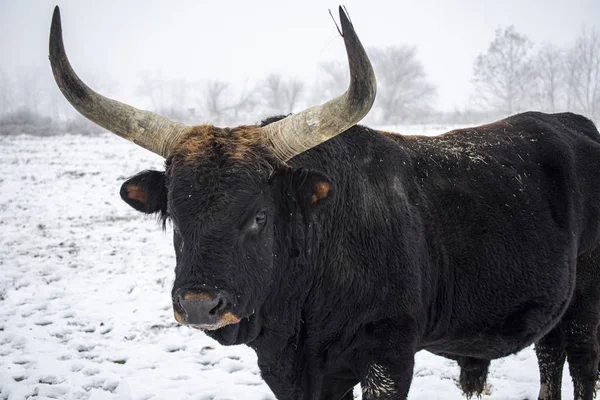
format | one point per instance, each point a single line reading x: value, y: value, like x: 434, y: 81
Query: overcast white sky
x: 237, y: 40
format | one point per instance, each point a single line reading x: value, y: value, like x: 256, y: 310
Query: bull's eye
x: 261, y: 217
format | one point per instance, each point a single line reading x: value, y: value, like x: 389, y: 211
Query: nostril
x: 221, y: 304
x: 179, y: 300
x: 178, y: 297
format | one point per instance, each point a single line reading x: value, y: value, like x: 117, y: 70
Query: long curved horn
x: 309, y: 128
x: 149, y: 130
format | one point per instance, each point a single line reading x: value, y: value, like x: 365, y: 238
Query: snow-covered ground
x: 85, y: 281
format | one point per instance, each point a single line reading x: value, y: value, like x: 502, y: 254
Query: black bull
x: 473, y: 244
x: 337, y: 258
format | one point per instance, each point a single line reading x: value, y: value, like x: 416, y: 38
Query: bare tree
x: 281, y: 95
x: 6, y: 93
x: 179, y: 89
x: 33, y: 87
x: 242, y: 107
x: 58, y: 107
x: 550, y: 71
x: 332, y: 80
x: 403, y: 91
x: 168, y: 97
x: 584, y: 74
x: 222, y: 105
x: 154, y: 88
x: 502, y: 76
x: 178, y: 104
x: 214, y: 101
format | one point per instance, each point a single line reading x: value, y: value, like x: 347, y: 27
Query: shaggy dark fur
x: 370, y: 247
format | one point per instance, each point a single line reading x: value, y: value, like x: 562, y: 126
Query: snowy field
x: 85, y: 310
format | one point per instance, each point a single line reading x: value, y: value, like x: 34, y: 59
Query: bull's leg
x: 580, y: 327
x: 599, y: 360
x: 337, y: 388
x: 385, y: 382
x: 348, y: 396
x: 551, y: 354
x: 387, y: 368
x: 583, y: 354
x: 473, y: 375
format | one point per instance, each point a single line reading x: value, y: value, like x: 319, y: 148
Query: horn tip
x: 56, y: 26
x: 344, y: 18
x: 347, y: 27
x: 56, y: 15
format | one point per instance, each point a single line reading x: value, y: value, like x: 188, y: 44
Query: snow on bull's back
x: 85, y: 281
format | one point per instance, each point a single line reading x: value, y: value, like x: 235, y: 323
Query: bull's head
x: 227, y: 191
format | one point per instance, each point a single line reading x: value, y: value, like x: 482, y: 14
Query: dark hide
x: 474, y: 244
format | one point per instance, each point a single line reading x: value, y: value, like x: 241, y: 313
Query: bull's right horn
x: 149, y: 130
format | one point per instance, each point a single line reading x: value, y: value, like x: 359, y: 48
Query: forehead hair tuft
x: 207, y: 145
x: 238, y: 144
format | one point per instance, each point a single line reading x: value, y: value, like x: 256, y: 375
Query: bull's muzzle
x: 203, y: 311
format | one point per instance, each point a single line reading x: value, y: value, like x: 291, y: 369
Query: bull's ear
x: 146, y: 192
x: 312, y: 188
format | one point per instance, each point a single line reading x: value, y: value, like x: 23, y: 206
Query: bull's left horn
x: 149, y: 130
x: 309, y: 128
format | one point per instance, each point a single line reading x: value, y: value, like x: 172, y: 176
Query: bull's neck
x: 369, y: 233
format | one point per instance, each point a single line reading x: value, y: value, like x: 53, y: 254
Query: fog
x: 115, y: 43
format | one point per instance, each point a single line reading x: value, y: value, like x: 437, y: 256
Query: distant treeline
x: 513, y: 75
